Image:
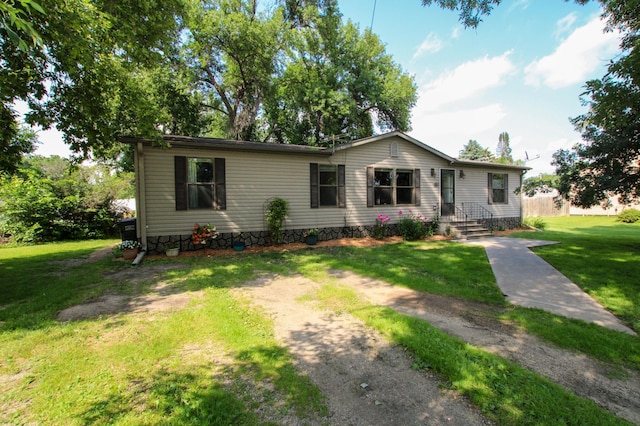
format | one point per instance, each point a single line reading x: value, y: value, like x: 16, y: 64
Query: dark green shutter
x: 506, y: 188
x: 180, y: 171
x: 490, y: 201
x: 315, y: 185
x: 370, y: 192
x: 416, y: 186
x: 342, y: 190
x: 220, y: 199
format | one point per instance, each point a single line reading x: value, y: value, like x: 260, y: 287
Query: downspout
x: 522, y: 197
x: 141, y: 205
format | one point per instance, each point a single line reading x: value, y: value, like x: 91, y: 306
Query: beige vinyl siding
x: 252, y: 178
x: 378, y: 155
x: 474, y: 188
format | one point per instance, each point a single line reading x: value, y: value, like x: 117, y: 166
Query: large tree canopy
x: 337, y: 81
x: 89, y: 73
x: 284, y: 71
x: 294, y: 73
x: 607, y: 161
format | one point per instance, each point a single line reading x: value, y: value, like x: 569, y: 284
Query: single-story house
x: 340, y: 190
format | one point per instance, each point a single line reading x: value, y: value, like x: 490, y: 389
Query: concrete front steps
x: 470, y: 230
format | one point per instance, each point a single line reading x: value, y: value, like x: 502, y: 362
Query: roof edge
x: 395, y: 133
x: 193, y: 142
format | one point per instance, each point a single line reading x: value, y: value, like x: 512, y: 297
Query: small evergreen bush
x: 629, y: 216
x: 535, y: 222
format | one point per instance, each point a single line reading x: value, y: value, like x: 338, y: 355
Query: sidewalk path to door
x: 527, y: 280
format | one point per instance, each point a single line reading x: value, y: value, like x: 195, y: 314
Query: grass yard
x: 216, y: 361
x: 209, y: 363
x: 599, y: 254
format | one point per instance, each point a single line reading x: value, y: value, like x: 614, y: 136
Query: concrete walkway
x: 527, y: 280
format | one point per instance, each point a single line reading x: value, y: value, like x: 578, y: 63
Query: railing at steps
x: 473, y: 212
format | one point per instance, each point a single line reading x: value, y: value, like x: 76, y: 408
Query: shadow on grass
x: 444, y: 268
x: 171, y: 398
x: 260, y: 380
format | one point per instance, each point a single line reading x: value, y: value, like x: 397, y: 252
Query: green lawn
x: 599, y: 254
x: 216, y: 360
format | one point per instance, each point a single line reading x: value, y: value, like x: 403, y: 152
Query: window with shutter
x: 200, y: 183
x: 393, y: 187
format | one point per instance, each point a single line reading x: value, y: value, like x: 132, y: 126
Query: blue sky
x: 521, y: 71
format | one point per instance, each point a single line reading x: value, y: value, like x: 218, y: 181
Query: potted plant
x: 130, y: 249
x: 311, y: 236
x: 202, y: 234
x: 172, y: 249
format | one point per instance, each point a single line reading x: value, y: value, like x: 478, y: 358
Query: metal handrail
x: 461, y: 216
x: 478, y: 212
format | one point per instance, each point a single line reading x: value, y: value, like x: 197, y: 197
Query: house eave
x: 400, y: 135
x: 190, y: 142
x: 476, y: 163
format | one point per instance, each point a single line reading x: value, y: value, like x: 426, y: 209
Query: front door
x: 447, y: 192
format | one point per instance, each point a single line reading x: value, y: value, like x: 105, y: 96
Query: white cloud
x: 449, y: 131
x: 575, y: 59
x: 565, y: 24
x: 431, y: 44
x: 455, y: 32
x: 466, y: 81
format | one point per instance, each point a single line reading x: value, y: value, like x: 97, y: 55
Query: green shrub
x: 535, y: 222
x: 276, y: 214
x: 415, y: 227
x: 629, y: 216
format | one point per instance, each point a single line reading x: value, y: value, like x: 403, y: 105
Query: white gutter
x: 141, y: 204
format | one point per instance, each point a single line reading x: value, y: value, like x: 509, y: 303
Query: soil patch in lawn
x: 160, y: 297
x: 369, y: 381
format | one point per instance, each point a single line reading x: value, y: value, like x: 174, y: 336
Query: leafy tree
x: 233, y: 51
x: 51, y: 199
x: 89, y: 73
x: 16, y: 141
x: 338, y: 81
x: 15, y: 20
x: 606, y: 163
x: 474, y: 151
x: 542, y: 184
x: 503, y: 151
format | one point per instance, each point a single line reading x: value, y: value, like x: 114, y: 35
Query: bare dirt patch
x: 369, y: 381
x: 161, y: 297
x: 366, y: 379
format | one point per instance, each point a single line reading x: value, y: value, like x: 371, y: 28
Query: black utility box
x: 128, y: 229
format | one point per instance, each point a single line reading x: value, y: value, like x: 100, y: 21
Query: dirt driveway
x: 369, y: 381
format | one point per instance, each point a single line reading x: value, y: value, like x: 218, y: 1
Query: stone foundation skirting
x: 262, y: 238
x: 503, y: 223
x: 258, y: 238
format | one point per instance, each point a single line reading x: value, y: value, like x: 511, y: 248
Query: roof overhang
x: 190, y: 142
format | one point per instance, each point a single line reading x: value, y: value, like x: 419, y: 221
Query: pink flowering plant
x: 415, y: 227
x: 379, y: 230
